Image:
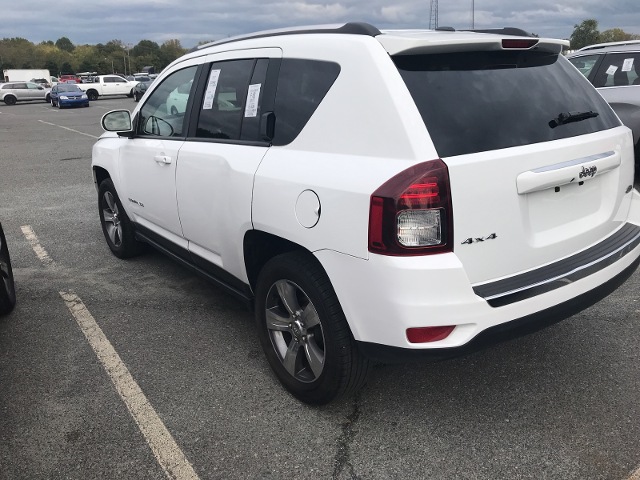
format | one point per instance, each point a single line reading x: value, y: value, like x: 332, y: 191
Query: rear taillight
x: 411, y: 213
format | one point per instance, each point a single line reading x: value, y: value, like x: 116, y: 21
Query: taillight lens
x: 411, y: 213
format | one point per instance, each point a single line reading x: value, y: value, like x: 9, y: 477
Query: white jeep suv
x: 377, y: 195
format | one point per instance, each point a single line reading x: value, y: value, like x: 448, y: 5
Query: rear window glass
x: 480, y: 101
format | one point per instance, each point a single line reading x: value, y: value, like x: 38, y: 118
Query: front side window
x: 479, y: 101
x: 585, y: 63
x: 164, y: 111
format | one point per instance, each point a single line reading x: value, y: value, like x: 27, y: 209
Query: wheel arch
x: 99, y: 175
x: 259, y: 247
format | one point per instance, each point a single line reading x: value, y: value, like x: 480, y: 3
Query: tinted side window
x: 585, y: 63
x: 163, y: 112
x: 302, y: 84
x: 618, y: 69
x: 222, y: 109
x: 479, y: 101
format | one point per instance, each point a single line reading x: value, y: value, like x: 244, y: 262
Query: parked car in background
x: 68, y: 95
x: 141, y: 87
x: 377, y: 195
x: 69, y: 78
x: 108, y: 85
x: 7, y: 286
x: 13, y: 92
x: 42, y: 81
x: 614, y: 69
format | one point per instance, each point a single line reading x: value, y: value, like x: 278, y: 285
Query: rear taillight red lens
x: 411, y: 213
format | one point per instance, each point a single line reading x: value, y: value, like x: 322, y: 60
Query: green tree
x: 617, y: 35
x: 585, y: 34
x: 63, y: 43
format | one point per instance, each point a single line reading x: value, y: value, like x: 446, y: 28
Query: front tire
x: 304, y: 332
x: 7, y: 285
x: 116, y: 226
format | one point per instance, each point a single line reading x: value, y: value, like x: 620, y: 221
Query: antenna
x: 433, y: 15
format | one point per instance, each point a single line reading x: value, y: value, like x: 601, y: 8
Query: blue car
x: 68, y: 95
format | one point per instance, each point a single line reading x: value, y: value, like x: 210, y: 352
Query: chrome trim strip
x: 577, y: 161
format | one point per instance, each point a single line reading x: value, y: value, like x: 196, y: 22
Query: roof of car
x: 411, y: 41
x: 611, y: 46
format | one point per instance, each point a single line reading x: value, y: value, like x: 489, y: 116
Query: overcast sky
x: 192, y: 21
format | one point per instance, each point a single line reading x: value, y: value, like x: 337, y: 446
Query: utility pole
x: 433, y: 15
x: 473, y: 14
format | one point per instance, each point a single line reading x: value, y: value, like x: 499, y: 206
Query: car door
x: 149, y: 159
x: 215, y: 175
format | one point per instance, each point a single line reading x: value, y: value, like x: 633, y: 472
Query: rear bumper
x: 384, y: 296
x: 500, y: 333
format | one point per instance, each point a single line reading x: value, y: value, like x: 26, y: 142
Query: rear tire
x: 117, y: 228
x: 92, y: 95
x: 7, y: 285
x: 10, y: 100
x: 304, y: 333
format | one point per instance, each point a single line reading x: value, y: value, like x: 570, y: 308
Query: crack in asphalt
x: 343, y: 453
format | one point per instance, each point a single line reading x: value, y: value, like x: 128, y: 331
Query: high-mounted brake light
x: 518, y: 43
x: 411, y: 213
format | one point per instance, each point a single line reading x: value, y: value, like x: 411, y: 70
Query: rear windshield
x: 479, y: 101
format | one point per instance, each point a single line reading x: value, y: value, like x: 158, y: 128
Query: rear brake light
x: 428, y: 334
x: 411, y: 213
x: 518, y: 43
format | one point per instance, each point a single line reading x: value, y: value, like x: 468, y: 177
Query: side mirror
x: 116, y: 121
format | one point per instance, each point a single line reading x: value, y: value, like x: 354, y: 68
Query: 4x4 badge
x: 470, y: 240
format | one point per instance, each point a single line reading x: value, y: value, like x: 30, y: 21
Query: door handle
x: 162, y: 159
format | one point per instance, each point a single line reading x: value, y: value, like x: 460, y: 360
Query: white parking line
x: 70, y: 129
x: 164, y: 448
x: 635, y: 475
x: 41, y: 253
x: 168, y: 454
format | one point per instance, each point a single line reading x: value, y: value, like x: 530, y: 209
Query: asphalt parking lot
x: 140, y: 370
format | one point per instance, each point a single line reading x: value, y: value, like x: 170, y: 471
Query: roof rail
x: 353, y: 28
x: 608, y: 44
x: 512, y: 31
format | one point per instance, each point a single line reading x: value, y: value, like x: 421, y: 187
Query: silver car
x: 614, y: 69
x: 13, y: 92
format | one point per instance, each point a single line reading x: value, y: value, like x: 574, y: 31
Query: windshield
x: 479, y: 101
x: 68, y: 87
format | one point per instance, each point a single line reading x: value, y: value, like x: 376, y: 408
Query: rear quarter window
x: 479, y: 101
x: 302, y: 84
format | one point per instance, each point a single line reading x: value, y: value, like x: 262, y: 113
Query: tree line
x: 587, y: 33
x: 62, y: 56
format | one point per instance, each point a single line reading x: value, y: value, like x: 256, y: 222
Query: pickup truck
x: 107, y: 85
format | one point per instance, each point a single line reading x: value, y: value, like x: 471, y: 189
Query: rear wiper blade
x: 571, y: 117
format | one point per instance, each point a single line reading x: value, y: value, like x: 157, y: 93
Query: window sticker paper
x: 627, y: 65
x: 253, y: 95
x: 612, y: 69
x: 211, y: 90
